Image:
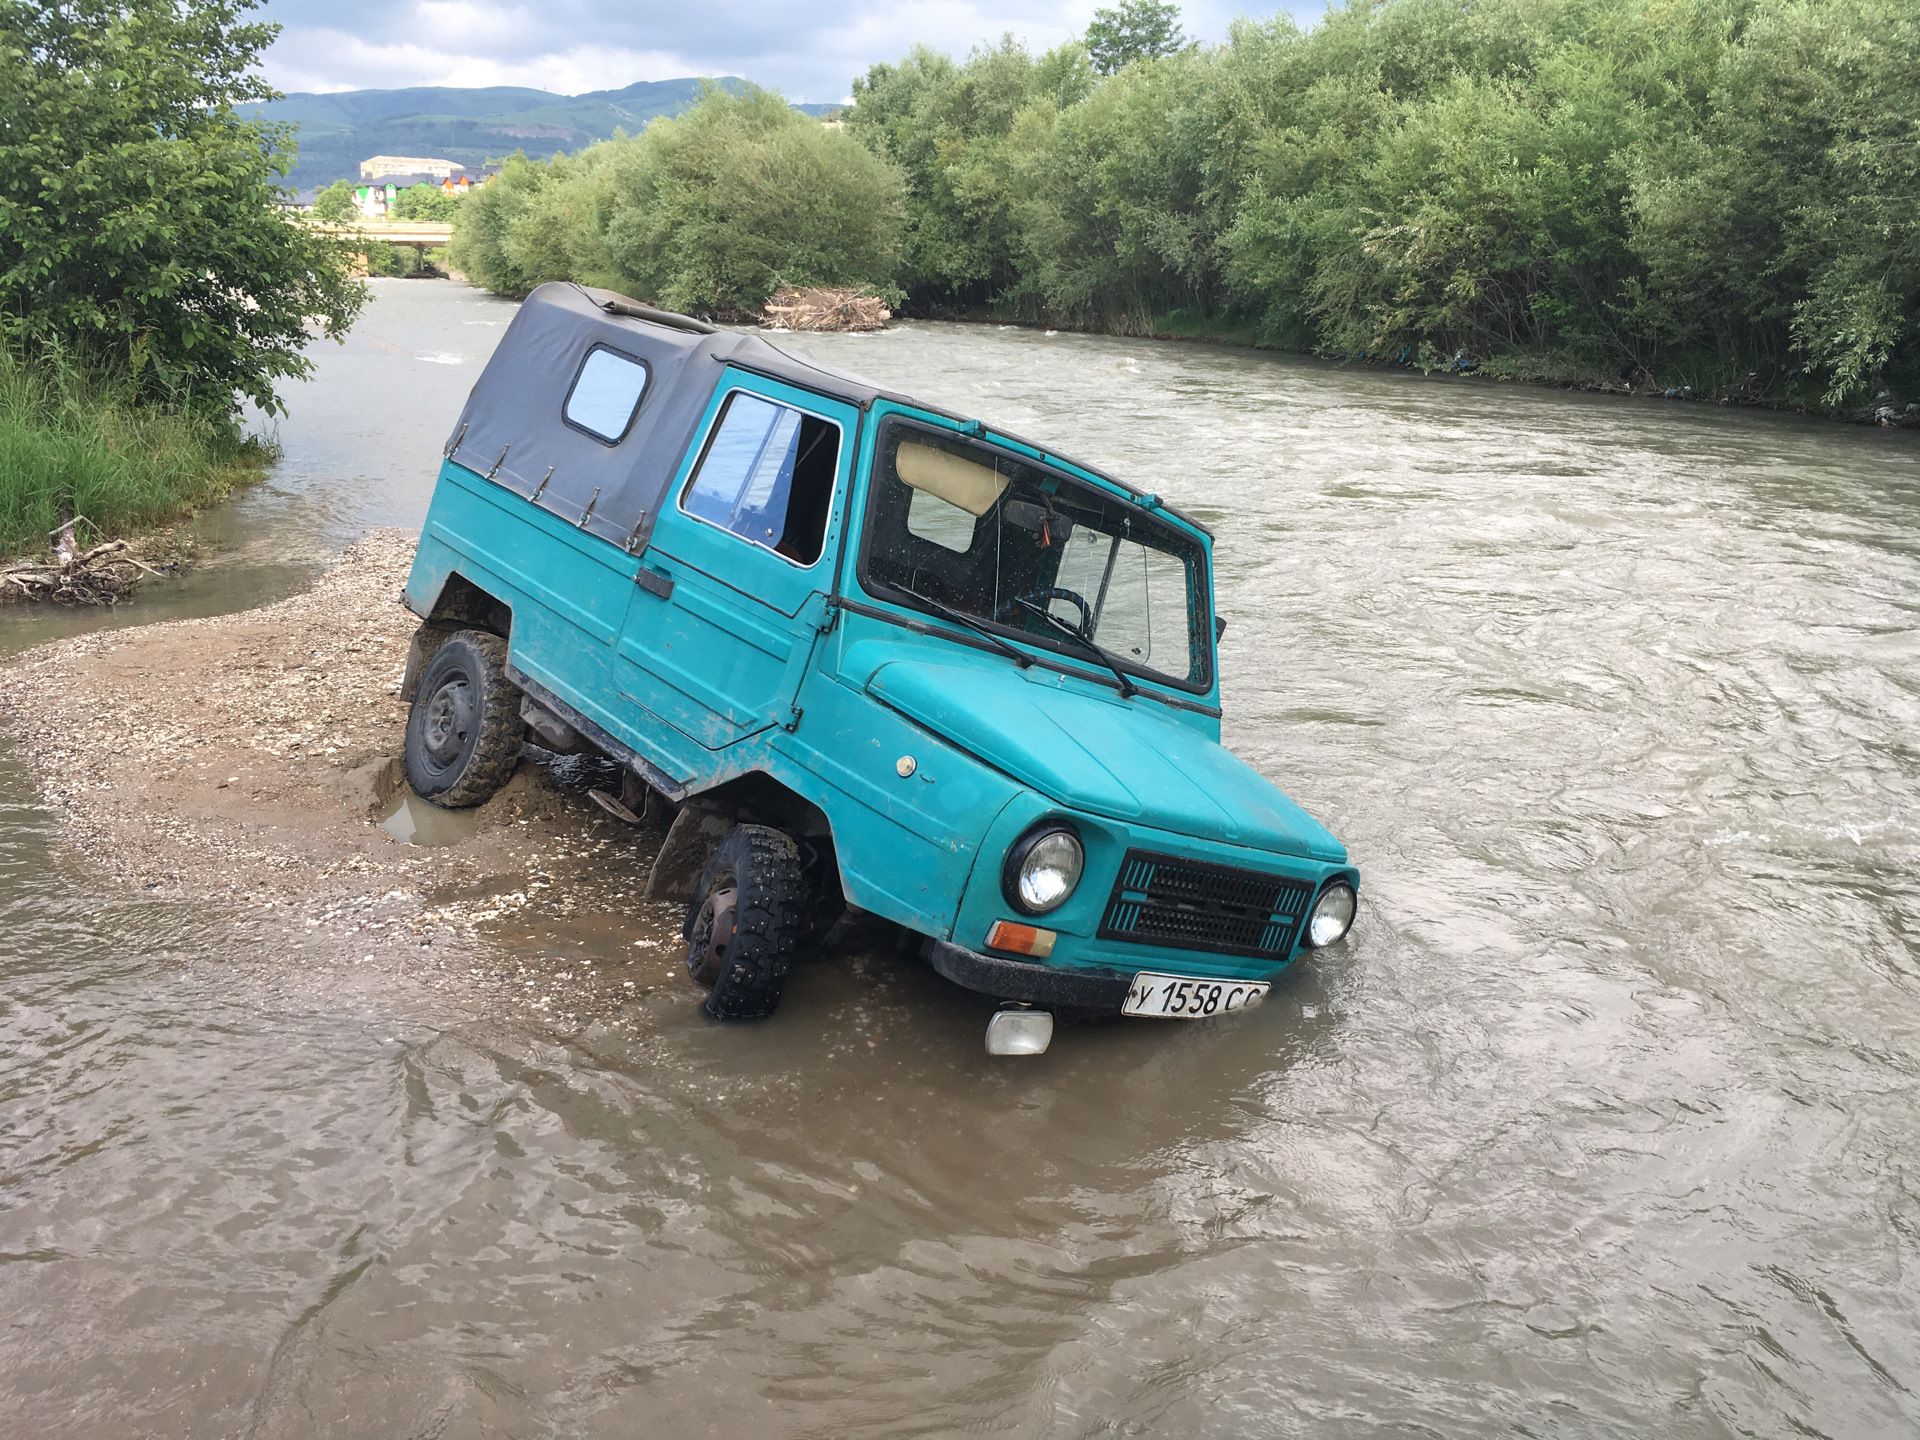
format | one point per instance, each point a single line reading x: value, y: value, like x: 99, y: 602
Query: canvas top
x: 514, y: 431
x: 513, y: 428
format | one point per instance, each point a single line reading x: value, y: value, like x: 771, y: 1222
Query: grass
x: 77, y: 443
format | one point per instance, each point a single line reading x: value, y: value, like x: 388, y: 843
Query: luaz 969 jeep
x: 866, y: 653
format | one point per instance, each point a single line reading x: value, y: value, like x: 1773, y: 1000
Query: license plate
x: 1181, y: 997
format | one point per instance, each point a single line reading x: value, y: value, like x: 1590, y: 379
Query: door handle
x: 653, y: 582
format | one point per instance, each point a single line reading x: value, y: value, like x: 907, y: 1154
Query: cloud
x: 807, y: 49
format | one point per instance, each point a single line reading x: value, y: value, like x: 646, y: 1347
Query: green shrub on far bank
x: 425, y: 202
x: 336, y: 204
x: 72, y: 443
x: 1717, y: 197
x: 1707, y: 197
x: 385, y: 259
x: 710, y: 211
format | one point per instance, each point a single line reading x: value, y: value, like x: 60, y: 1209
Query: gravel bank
x: 244, y: 761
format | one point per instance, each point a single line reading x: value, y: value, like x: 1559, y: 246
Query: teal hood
x: 1128, y: 760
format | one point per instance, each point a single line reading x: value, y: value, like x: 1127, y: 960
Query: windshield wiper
x: 1127, y: 688
x: 960, y: 617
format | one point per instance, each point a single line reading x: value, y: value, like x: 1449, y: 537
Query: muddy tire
x: 463, y: 730
x: 745, y: 924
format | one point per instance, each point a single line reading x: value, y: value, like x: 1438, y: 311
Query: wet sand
x: 247, y: 760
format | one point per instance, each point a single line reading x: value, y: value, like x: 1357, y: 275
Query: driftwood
x: 104, y: 575
x: 823, y: 309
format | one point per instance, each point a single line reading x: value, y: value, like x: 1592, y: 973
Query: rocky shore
x: 245, y: 761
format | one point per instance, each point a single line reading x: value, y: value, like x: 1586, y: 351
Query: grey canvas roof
x: 512, y: 430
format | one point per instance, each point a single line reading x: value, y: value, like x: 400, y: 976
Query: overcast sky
x: 807, y: 49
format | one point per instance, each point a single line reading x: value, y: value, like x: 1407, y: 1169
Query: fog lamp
x: 1332, y: 915
x: 1043, y: 868
x: 1019, y: 1032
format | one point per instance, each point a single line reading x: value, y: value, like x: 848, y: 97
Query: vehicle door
x: 732, y: 590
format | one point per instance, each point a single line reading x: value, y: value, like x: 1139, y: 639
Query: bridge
x: 420, y: 234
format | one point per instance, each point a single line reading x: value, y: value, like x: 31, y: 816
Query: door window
x: 767, y: 476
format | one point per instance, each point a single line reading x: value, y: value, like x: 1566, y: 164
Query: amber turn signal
x: 1021, y: 939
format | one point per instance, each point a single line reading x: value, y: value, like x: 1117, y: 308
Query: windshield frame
x: 1191, y: 539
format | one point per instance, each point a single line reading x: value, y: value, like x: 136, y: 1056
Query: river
x: 1604, y: 1122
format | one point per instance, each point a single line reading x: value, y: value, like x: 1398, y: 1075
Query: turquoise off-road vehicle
x: 867, y: 653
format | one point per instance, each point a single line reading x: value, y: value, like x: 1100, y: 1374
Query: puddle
x: 412, y: 821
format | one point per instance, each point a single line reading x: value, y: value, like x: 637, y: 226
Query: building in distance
x: 381, y: 166
x: 375, y: 198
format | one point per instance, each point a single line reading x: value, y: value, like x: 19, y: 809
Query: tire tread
x: 769, y: 919
x: 496, y: 751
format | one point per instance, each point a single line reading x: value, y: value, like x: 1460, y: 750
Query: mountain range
x: 470, y: 126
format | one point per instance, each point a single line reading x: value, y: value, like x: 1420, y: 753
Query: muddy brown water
x: 1605, y: 1121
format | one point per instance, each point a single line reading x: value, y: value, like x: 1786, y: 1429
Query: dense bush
x: 1715, y: 194
x: 336, y: 203
x: 141, y: 228
x: 385, y: 259
x: 710, y: 211
x: 1722, y: 193
x: 425, y: 202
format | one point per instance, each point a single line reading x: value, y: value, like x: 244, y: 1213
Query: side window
x: 767, y: 475
x: 605, y: 395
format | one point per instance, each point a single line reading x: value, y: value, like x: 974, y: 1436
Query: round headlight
x: 1043, y: 868
x: 1332, y: 915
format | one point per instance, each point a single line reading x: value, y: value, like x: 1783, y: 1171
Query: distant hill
x: 338, y: 131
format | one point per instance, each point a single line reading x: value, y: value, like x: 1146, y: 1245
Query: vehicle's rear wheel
x: 463, y: 731
x: 744, y: 926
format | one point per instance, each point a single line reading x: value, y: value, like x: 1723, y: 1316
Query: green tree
x: 497, y: 239
x: 1133, y: 30
x: 140, y: 216
x: 950, y: 129
x: 1781, y: 227
x: 1722, y: 194
x: 336, y: 203
x: 425, y: 202
x: 707, y: 211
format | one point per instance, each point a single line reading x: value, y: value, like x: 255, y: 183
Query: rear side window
x: 767, y: 475
x: 605, y: 395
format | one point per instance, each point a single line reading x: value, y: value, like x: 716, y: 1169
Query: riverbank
x: 245, y: 762
x: 77, y: 446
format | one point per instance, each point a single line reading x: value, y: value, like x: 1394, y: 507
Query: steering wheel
x: 1085, y: 627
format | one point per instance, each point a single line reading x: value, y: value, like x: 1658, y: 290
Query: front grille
x: 1191, y: 905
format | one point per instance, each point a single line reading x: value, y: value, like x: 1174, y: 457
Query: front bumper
x: 1004, y: 979
x: 1087, y: 936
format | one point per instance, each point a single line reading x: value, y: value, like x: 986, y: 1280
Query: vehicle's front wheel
x: 463, y: 732
x: 746, y: 921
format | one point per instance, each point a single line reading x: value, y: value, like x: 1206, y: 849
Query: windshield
x: 981, y: 531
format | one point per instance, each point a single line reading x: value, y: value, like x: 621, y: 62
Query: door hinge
x: 793, y: 721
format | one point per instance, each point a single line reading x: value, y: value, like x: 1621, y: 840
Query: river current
x: 1604, y: 1122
